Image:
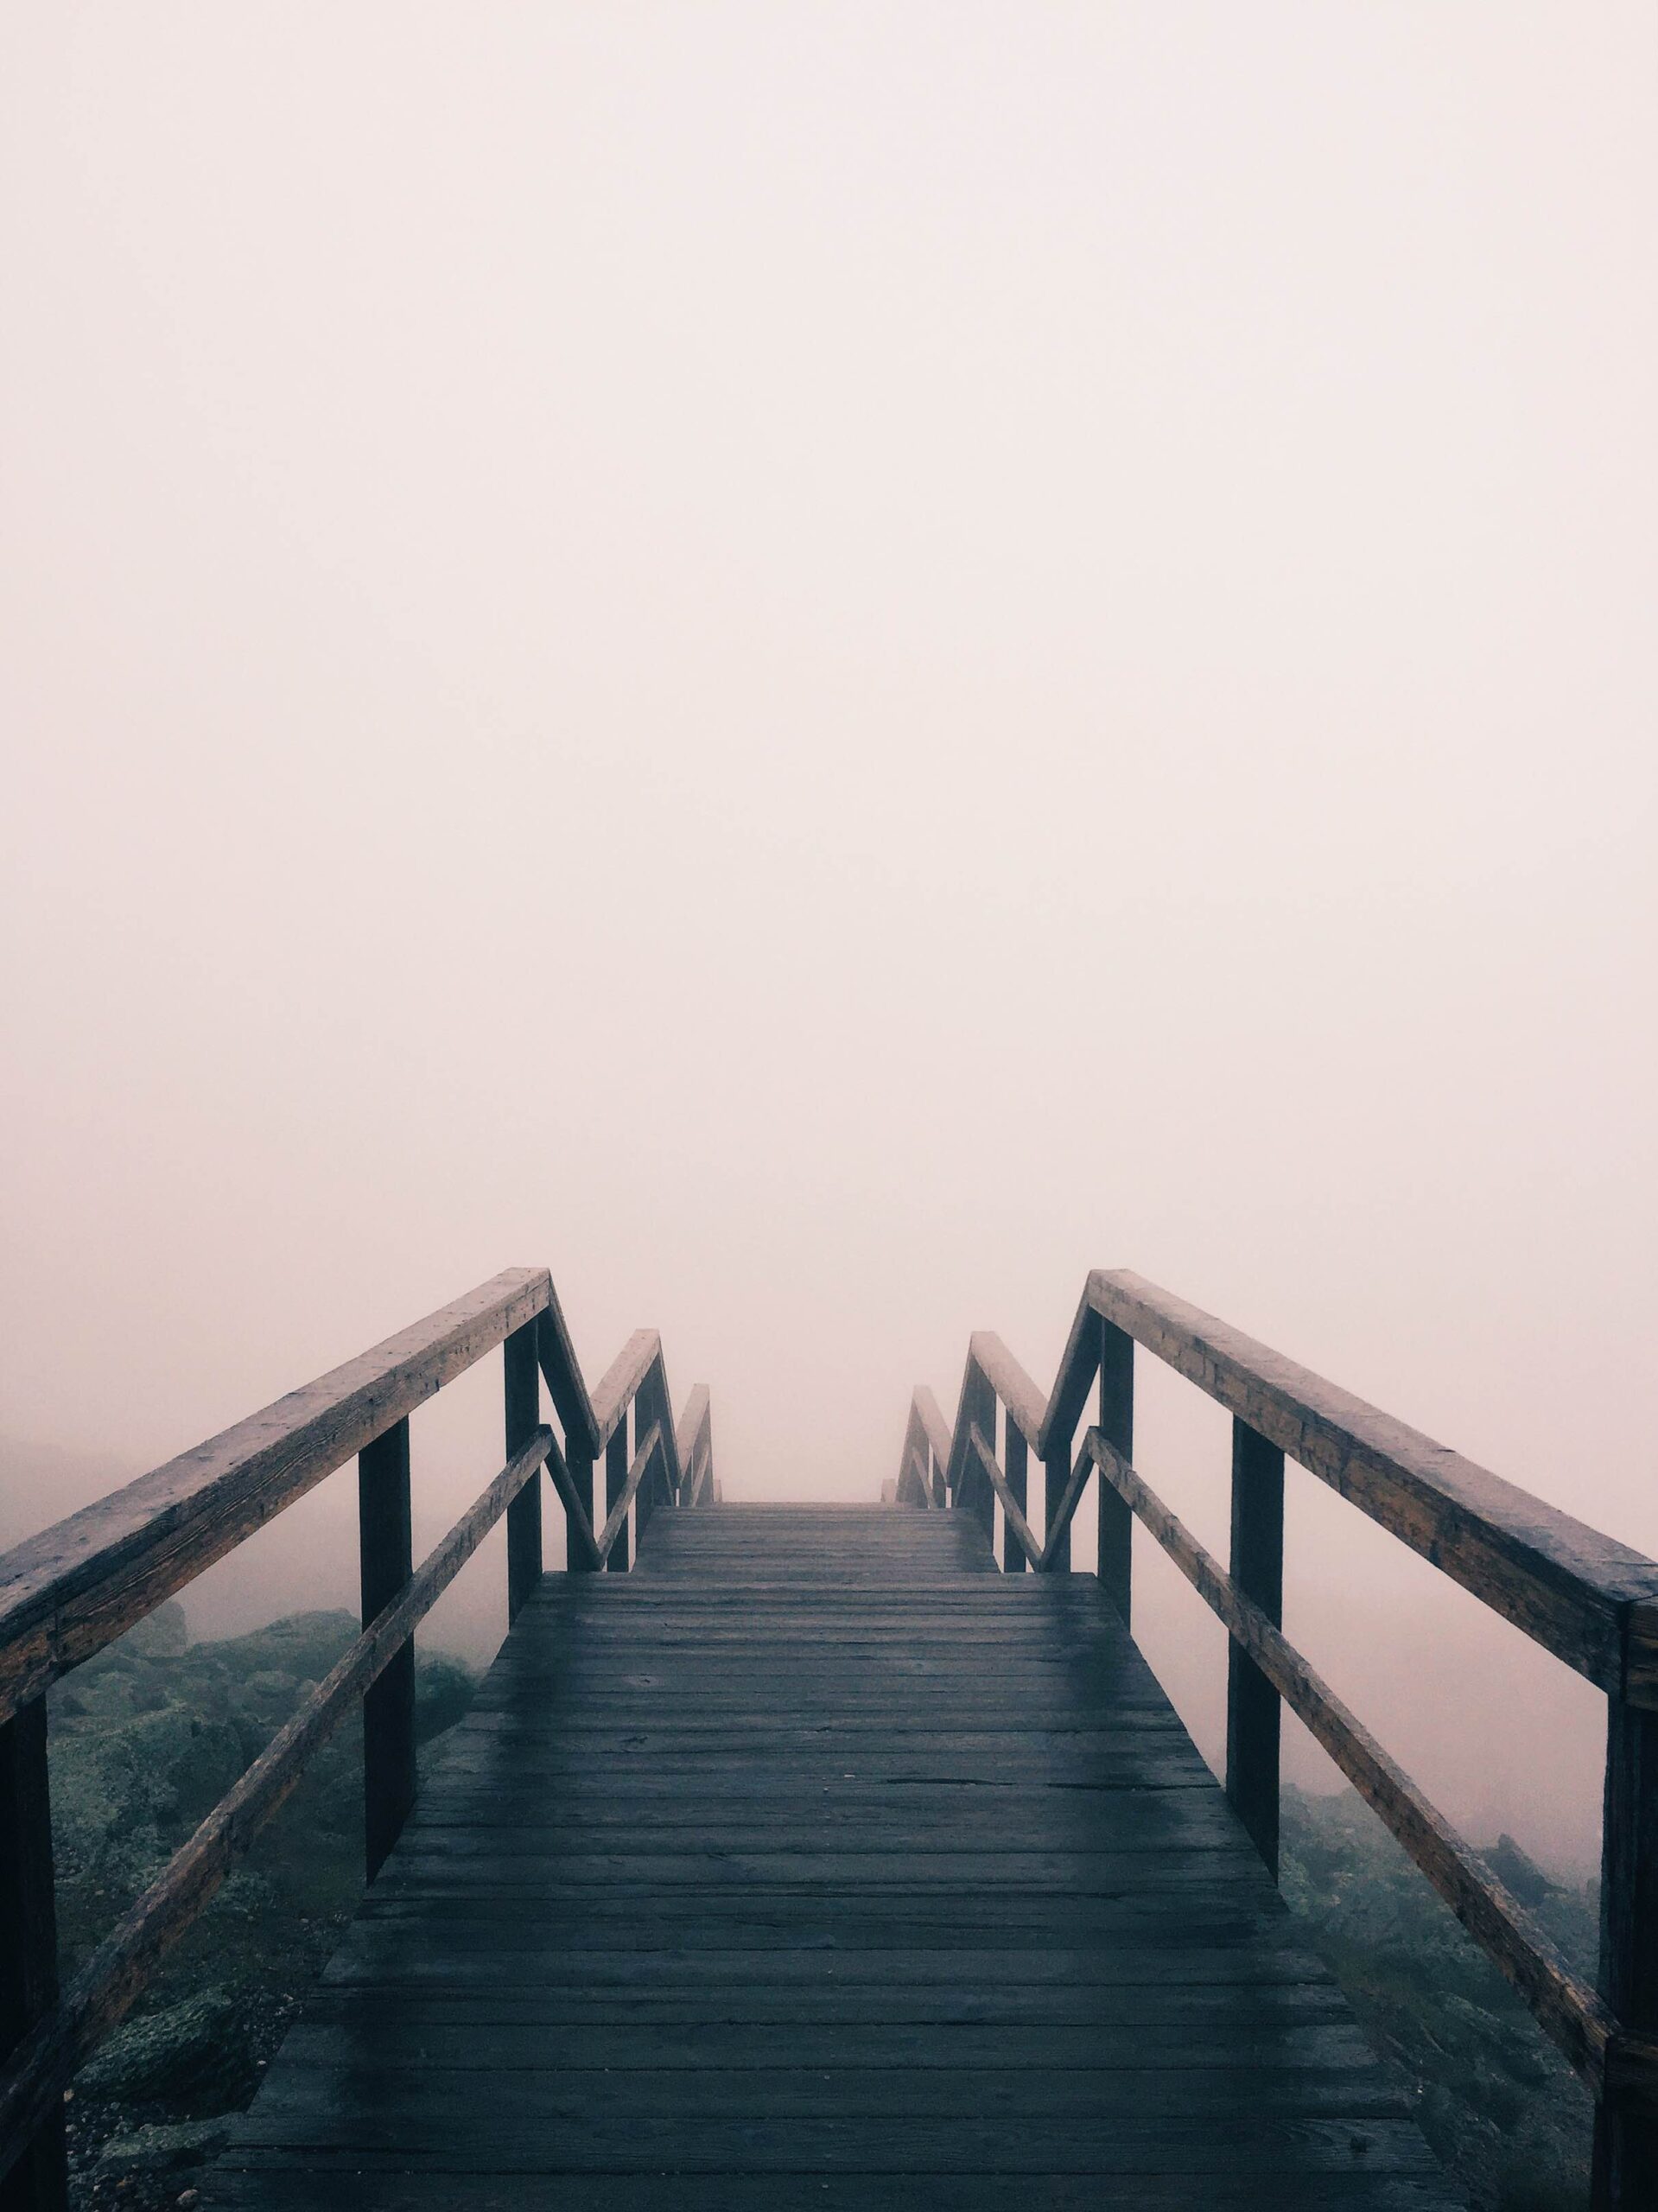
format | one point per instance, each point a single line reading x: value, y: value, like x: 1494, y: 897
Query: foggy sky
x: 821, y: 664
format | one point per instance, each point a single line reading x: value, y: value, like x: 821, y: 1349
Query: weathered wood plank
x: 1252, y: 1706
x: 1568, y: 2012
x: 37, y: 2180
x: 114, y: 1977
x: 66, y: 1593
x: 387, y: 1560
x: 1564, y: 1583
x: 617, y: 1386
x: 1625, y: 2176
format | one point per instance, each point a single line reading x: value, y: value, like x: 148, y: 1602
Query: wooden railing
x: 1589, y: 1600
x: 67, y: 1593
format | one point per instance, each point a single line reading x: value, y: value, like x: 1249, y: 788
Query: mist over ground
x: 821, y: 664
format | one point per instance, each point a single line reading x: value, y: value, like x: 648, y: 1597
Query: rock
x: 1519, y: 1873
x: 195, y: 2054
x: 161, y: 2149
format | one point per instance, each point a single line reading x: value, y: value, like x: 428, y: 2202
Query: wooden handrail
x: 116, y: 1974
x: 1585, y: 1598
x: 67, y: 1593
x: 1569, y: 1587
x: 1570, y: 2011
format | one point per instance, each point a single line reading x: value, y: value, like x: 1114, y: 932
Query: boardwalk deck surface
x: 815, y: 1864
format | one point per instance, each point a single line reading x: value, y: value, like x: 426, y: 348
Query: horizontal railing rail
x: 66, y: 1594
x: 1587, y: 1600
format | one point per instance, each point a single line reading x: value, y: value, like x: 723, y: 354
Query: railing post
x: 580, y: 1466
x: 650, y: 1404
x: 39, y: 2182
x: 1015, y: 1461
x: 1626, y: 2146
x: 524, y: 1556
x: 616, y: 1458
x: 977, y: 1492
x: 386, y: 1537
x: 1252, y: 1704
x: 1117, y: 1427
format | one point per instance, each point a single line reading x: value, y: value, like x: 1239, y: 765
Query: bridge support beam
x: 1253, y: 1708
x: 1626, y: 2141
x: 385, y: 1532
x: 523, y: 1554
x: 39, y: 2182
x: 1117, y: 1427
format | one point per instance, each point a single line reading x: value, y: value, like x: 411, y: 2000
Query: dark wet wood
x: 67, y: 1593
x: 116, y: 1974
x: 1570, y: 1588
x: 817, y: 1864
x: 1253, y: 1712
x: 1564, y: 2006
x: 386, y: 1537
x: 38, y: 2182
x: 1626, y: 2134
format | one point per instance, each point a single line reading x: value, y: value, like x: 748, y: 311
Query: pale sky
x: 820, y: 664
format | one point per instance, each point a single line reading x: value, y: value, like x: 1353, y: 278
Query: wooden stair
x: 817, y: 1864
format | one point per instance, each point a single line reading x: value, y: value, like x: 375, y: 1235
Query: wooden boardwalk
x: 817, y: 1864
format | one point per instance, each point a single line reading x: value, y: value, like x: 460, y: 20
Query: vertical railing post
x: 616, y: 1458
x: 1015, y: 1461
x: 1117, y: 1427
x: 647, y: 1414
x: 523, y: 1555
x: 39, y: 2182
x: 1056, y: 1464
x: 1626, y: 2144
x: 1252, y: 1704
x: 579, y: 1463
x: 386, y: 1538
x: 978, y: 1492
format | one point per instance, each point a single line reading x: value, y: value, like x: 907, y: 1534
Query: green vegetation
x: 1495, y: 2098
x: 145, y: 1739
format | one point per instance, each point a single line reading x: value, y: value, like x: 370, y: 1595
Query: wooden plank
x: 1252, y: 1706
x: 36, y: 2176
x: 116, y: 1974
x: 1263, y: 2144
x: 1625, y: 2175
x: 1015, y: 1557
x: 562, y: 1371
x: 614, y: 1555
x: 1027, y: 1408
x: 523, y: 1422
x: 729, y: 1882
x: 1018, y: 1528
x: 1115, y: 1353
x: 1568, y: 2012
x: 394, y: 2190
x: 615, y: 1390
x: 613, y: 1534
x: 387, y: 1560
x: 1568, y: 1586
x: 66, y: 1593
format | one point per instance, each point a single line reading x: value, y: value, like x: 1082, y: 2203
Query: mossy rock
x: 163, y: 2147
x: 197, y: 2054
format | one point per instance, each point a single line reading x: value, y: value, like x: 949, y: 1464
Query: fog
x: 821, y: 665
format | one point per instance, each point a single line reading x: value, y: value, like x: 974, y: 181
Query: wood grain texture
x: 387, y: 1563
x: 738, y: 1889
x: 1569, y: 1587
x: 1257, y: 1568
x: 66, y: 1593
x: 1569, y: 2011
x: 115, y: 1976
